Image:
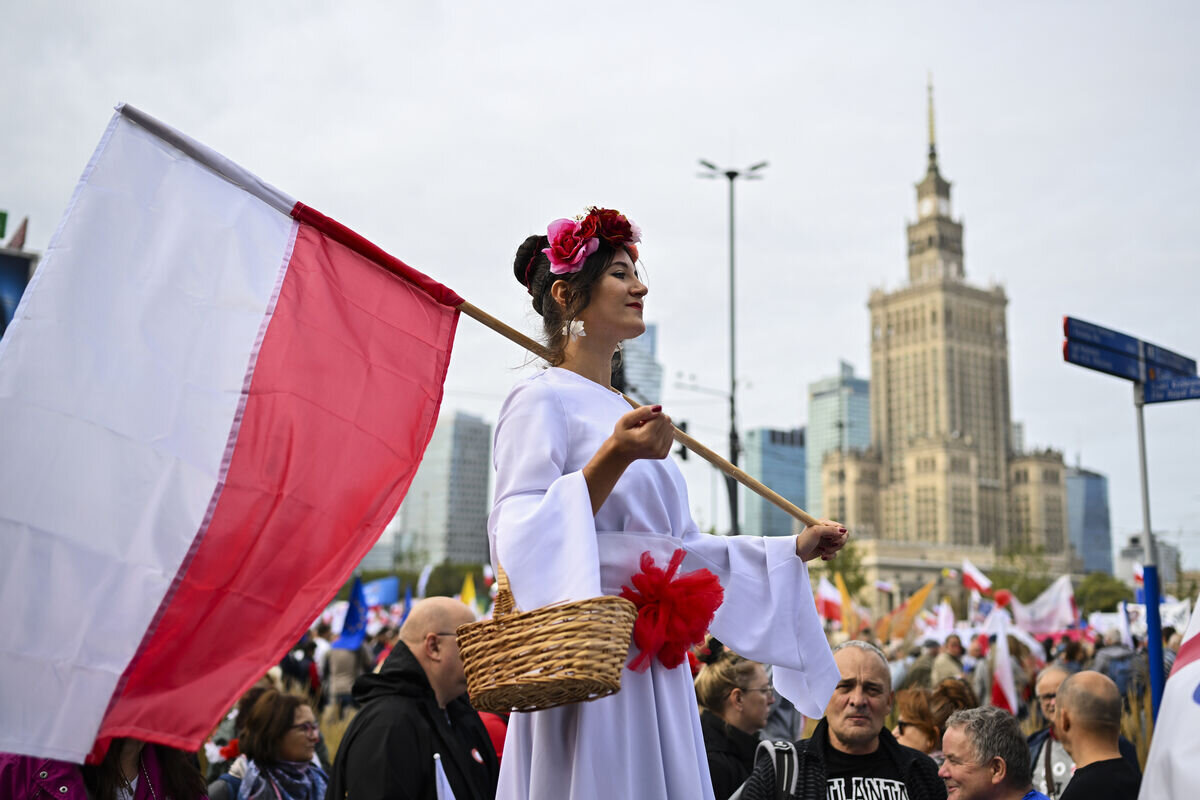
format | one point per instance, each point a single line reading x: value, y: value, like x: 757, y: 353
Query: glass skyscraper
x: 1087, y: 519
x: 839, y: 419
x: 776, y: 458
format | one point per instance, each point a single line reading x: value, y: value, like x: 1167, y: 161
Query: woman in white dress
x: 584, y: 489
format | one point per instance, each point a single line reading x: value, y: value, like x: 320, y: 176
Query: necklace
x: 146, y: 776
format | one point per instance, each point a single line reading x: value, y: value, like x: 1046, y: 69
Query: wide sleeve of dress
x: 542, y: 530
x: 769, y: 614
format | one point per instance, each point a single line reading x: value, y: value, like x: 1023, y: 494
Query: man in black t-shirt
x: 851, y: 756
x: 1087, y: 718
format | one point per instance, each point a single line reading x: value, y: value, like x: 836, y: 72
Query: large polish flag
x: 1173, y: 764
x: 973, y: 578
x: 212, y: 400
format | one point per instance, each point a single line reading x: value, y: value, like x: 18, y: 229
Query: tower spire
x: 932, y: 139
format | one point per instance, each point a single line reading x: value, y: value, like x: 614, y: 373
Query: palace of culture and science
x: 944, y: 477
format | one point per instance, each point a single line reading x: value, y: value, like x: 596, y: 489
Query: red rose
x: 588, y: 226
x: 568, y: 250
x: 614, y: 227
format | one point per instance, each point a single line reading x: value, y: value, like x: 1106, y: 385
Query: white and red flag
x: 973, y: 578
x: 829, y: 601
x: 212, y: 400
x: 1173, y: 765
x: 1051, y: 611
x: 1004, y: 685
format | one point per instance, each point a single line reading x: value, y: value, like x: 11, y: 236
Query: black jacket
x: 917, y: 770
x: 387, y: 752
x: 730, y: 753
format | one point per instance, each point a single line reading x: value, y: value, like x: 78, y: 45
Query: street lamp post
x: 750, y: 173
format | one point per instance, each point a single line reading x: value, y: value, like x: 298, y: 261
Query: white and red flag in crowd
x: 973, y: 578
x: 212, y: 400
x: 1004, y: 685
x: 829, y: 601
x: 1173, y: 765
x: 1051, y: 611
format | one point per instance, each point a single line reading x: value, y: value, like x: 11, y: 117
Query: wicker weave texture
x: 551, y: 656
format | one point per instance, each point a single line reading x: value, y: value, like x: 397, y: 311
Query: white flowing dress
x: 645, y: 741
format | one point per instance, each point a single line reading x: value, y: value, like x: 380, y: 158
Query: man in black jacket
x: 851, y: 754
x: 414, y: 708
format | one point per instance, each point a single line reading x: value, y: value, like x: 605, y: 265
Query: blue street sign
x: 1110, y: 351
x: 1162, y: 357
x: 1079, y: 331
x: 1098, y: 358
x: 1165, y: 391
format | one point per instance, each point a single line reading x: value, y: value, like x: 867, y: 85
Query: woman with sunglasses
x: 915, y: 726
x: 279, y: 740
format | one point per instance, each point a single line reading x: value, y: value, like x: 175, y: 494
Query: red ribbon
x: 673, y: 612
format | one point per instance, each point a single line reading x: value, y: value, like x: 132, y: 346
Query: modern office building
x: 444, y: 515
x: 1087, y: 519
x: 642, y: 373
x: 777, y: 458
x: 1132, y: 554
x: 839, y: 419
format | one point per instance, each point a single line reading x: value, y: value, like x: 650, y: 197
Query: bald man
x: 414, y: 708
x: 1087, y: 719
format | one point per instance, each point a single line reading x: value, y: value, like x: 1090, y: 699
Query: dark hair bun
x: 526, y: 253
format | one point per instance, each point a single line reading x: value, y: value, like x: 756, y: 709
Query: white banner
x: 1173, y: 766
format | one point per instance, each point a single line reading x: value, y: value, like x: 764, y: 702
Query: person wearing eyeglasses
x: 915, y: 727
x: 414, y: 716
x: 1053, y: 766
x: 734, y: 695
x: 279, y: 740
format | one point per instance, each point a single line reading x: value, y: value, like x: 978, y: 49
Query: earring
x: 573, y: 329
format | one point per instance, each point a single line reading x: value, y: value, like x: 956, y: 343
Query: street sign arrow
x: 1165, y: 391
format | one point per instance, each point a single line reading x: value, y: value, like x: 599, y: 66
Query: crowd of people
x: 943, y: 742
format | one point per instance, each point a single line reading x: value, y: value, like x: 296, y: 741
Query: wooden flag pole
x: 739, y: 475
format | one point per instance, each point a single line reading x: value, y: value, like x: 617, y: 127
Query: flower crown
x: 573, y: 240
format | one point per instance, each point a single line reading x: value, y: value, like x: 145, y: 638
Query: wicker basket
x: 551, y: 656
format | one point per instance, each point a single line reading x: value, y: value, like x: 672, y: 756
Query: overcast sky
x: 447, y: 132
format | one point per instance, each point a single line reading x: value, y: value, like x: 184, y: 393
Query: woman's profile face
x: 300, y: 741
x: 617, y: 301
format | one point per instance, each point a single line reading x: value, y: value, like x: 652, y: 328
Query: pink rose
x: 568, y: 247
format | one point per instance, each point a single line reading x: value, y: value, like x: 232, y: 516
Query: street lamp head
x: 757, y: 166
x: 709, y: 165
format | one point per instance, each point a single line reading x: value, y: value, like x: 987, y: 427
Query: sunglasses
x: 901, y: 725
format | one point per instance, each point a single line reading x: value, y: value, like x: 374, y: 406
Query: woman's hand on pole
x: 824, y: 540
x: 644, y: 432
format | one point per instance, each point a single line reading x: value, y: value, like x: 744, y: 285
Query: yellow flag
x: 849, y: 615
x: 911, y: 609
x: 468, y: 591
x: 883, y: 628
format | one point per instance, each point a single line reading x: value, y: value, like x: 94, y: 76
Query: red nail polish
x: 841, y: 530
x: 656, y: 409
